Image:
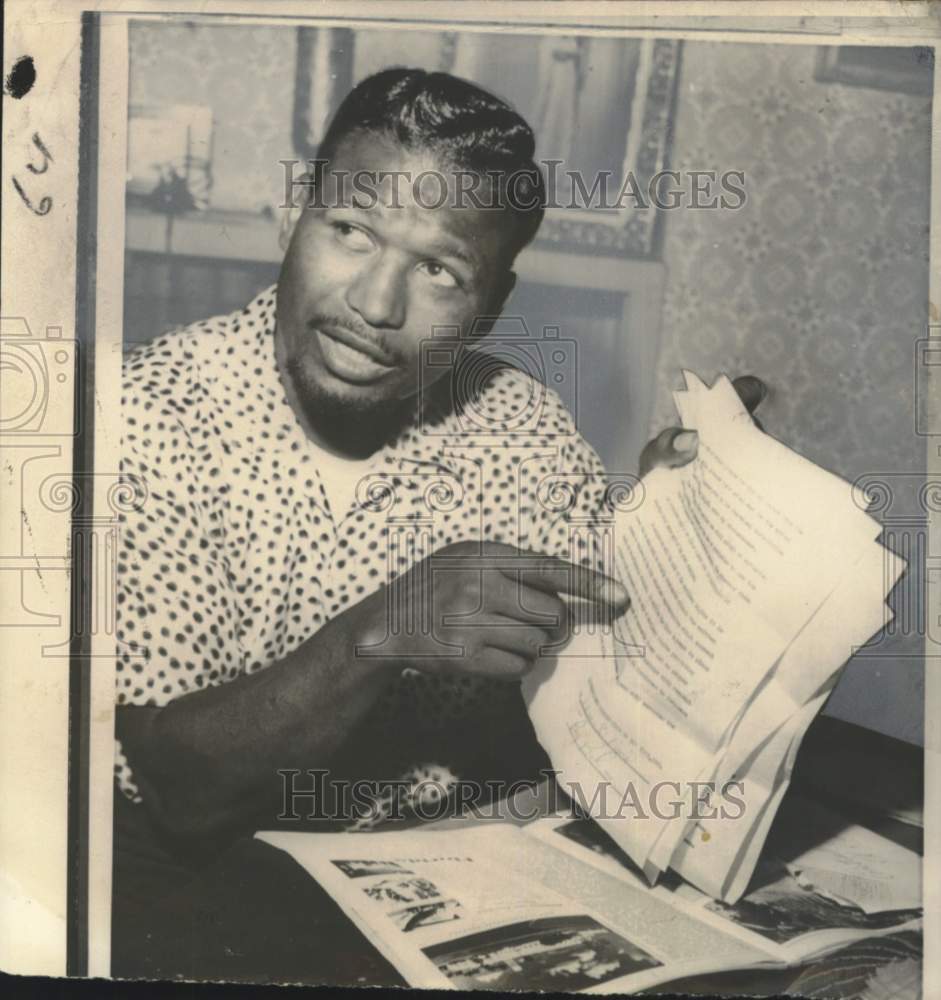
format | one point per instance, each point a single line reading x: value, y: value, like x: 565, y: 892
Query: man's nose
x: 379, y: 293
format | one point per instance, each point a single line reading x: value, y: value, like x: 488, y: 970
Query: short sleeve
x: 177, y: 621
x: 570, y: 500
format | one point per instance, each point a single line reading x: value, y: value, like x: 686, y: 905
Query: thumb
x: 670, y: 449
x: 751, y: 391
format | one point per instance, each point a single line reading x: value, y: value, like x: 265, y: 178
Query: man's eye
x: 352, y: 237
x: 440, y: 275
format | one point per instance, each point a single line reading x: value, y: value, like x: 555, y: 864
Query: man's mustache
x: 328, y: 322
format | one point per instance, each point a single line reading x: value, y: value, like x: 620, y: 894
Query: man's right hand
x: 208, y: 761
x: 476, y: 607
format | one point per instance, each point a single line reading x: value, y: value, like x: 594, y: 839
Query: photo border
x: 81, y: 689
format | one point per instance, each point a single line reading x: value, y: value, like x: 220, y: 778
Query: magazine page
x: 803, y: 922
x: 820, y: 883
x: 803, y: 901
x: 491, y: 908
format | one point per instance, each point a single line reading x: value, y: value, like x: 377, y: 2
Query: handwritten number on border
x: 45, y: 203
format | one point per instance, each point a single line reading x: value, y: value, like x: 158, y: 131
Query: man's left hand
x: 676, y: 446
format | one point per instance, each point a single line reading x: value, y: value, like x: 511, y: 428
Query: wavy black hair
x: 461, y: 123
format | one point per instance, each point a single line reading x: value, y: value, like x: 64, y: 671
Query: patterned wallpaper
x: 818, y: 284
x: 246, y: 75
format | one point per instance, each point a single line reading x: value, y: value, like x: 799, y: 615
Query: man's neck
x: 351, y: 435
x: 353, y: 438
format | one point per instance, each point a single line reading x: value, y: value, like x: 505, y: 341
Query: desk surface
x: 254, y: 915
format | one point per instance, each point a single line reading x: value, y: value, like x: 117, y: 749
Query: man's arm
x: 203, y: 733
x: 210, y: 759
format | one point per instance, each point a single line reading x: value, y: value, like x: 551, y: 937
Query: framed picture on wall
x: 600, y: 106
x: 906, y: 70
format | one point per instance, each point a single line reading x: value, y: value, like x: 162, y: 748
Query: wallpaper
x: 246, y: 75
x: 819, y: 285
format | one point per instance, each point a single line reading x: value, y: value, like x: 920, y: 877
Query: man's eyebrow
x: 449, y: 249
x: 453, y: 247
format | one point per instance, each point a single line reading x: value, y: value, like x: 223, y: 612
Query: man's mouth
x: 349, y: 357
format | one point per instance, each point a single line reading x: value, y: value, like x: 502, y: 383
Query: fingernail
x: 619, y: 594
x: 751, y: 389
x: 685, y: 441
x: 761, y: 387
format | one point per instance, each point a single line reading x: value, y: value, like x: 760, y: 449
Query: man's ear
x: 509, y: 283
x: 503, y: 288
x: 289, y: 218
x: 502, y: 291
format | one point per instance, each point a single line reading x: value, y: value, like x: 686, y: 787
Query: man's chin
x: 327, y: 397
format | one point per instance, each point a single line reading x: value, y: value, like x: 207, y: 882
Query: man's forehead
x: 374, y: 172
x: 382, y: 155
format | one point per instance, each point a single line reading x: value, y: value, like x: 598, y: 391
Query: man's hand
x: 479, y: 608
x: 676, y: 446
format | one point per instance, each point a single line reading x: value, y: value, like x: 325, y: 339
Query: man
x: 259, y: 580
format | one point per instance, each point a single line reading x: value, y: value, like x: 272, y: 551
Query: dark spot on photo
x: 20, y: 79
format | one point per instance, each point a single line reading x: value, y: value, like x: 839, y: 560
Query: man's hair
x: 461, y: 123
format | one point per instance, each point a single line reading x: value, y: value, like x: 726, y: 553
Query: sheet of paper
x: 727, y: 562
x: 854, y: 613
x: 718, y: 856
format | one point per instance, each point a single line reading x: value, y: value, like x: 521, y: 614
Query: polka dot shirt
x: 236, y: 557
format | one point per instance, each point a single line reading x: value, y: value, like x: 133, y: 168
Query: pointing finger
x: 557, y: 576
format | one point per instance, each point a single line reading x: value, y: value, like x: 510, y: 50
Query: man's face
x: 362, y: 286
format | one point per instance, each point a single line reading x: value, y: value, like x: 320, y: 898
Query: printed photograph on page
x: 515, y: 427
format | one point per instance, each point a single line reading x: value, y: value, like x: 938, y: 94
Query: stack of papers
x: 754, y: 575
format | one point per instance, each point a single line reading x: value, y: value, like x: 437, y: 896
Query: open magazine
x: 754, y: 575
x: 556, y: 905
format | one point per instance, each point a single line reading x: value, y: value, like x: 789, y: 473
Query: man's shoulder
x: 516, y: 402
x: 512, y: 409
x: 187, y: 359
x: 180, y: 347
x: 524, y: 437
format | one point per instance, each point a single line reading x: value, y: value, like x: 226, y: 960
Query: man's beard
x: 347, y: 419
